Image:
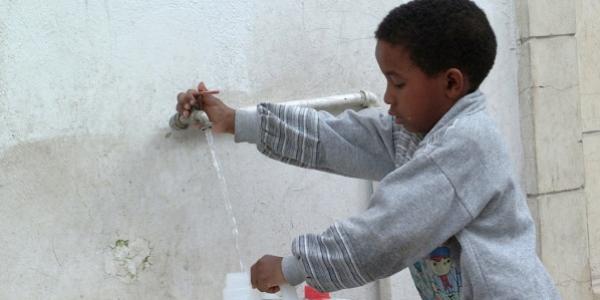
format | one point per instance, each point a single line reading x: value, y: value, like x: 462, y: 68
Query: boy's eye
x: 399, y: 85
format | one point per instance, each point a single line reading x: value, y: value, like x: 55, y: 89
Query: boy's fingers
x: 189, y: 97
x: 193, y: 93
x: 180, y: 97
x: 253, y: 276
x: 263, y: 288
x: 268, y: 288
x: 181, y: 106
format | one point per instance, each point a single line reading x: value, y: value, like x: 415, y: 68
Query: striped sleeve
x: 289, y: 134
x: 355, y: 144
x: 326, y: 261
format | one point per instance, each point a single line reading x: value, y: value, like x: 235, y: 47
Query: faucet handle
x: 177, y: 122
x: 200, y: 117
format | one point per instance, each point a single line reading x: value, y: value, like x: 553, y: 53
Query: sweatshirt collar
x: 469, y: 103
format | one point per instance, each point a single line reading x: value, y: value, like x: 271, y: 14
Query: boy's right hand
x: 221, y: 115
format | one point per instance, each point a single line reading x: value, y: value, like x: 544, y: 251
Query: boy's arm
x: 356, y: 144
x: 415, y: 209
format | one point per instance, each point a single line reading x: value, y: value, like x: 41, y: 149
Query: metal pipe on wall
x: 332, y: 104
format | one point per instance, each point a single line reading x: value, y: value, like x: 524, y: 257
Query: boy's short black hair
x: 443, y: 34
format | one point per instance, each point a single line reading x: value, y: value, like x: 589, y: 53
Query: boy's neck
x: 453, y: 102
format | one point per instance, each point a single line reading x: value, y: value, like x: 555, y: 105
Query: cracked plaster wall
x: 99, y: 201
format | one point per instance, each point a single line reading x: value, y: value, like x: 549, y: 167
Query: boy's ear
x: 456, y: 83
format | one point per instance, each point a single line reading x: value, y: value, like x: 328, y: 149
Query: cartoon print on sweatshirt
x: 440, y: 263
x: 437, y: 277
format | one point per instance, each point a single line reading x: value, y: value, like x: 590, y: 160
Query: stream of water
x: 225, y: 194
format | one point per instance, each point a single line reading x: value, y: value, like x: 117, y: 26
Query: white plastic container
x: 238, y: 287
x: 288, y: 292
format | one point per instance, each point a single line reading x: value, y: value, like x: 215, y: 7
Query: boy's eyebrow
x: 393, y: 73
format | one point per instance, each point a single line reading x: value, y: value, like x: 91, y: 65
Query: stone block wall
x: 560, y: 114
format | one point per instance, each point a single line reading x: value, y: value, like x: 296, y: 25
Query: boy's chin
x: 402, y: 123
x: 408, y: 127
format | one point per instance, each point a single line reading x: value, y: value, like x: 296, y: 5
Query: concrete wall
x: 101, y: 201
x: 588, y: 41
x: 561, y: 120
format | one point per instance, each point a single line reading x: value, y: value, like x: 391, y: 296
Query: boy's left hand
x: 266, y: 274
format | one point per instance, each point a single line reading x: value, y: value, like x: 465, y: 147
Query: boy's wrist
x: 245, y: 126
x: 230, y: 127
x: 291, y: 267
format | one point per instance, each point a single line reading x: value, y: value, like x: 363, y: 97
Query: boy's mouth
x: 397, y: 118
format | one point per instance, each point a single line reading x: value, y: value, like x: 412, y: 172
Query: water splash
x: 225, y: 194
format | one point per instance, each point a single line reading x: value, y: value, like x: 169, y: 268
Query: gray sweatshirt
x: 448, y: 205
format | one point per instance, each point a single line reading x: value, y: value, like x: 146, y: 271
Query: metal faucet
x: 197, y: 117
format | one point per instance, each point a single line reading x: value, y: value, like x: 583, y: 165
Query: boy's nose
x: 387, y: 98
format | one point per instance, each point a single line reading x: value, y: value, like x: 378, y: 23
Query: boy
x: 448, y: 205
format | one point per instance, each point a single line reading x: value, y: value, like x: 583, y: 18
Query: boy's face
x: 418, y: 101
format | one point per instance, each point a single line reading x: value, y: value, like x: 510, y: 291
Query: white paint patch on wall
x: 125, y: 260
x: 87, y: 159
